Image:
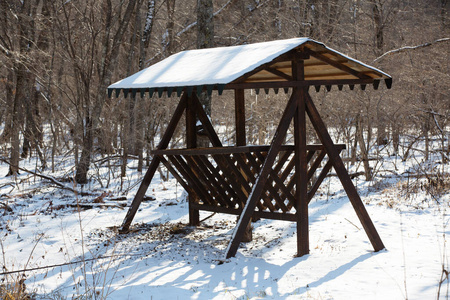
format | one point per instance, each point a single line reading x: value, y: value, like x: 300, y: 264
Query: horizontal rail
x: 237, y: 211
x: 236, y: 149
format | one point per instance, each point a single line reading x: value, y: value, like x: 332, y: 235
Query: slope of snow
x: 162, y: 258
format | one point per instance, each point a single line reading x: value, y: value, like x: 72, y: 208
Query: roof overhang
x: 254, y: 66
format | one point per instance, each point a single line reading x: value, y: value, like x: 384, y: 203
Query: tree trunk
x: 170, y: 43
x: 395, y: 137
x: 8, y: 110
x: 105, y: 66
x: 205, y: 39
x: 364, y: 152
x: 17, y: 119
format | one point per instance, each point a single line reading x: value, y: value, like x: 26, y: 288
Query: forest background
x: 58, y: 57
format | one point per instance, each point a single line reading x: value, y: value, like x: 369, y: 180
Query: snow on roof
x: 208, y: 66
x: 218, y: 66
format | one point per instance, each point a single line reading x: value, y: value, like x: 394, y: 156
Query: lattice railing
x: 222, y: 178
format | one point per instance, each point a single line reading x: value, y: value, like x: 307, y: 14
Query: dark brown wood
x: 282, y: 160
x: 301, y: 162
x: 258, y: 187
x: 315, y: 164
x: 191, y: 136
x: 193, y: 179
x: 203, y: 117
x: 287, y: 84
x: 153, y: 165
x: 191, y: 142
x: 345, y: 179
x: 212, y: 181
x: 319, y: 180
x: 273, y: 190
x: 279, y: 73
x: 257, y: 214
x: 240, y: 149
x: 175, y: 174
x: 204, y: 182
x: 241, y: 139
x: 225, y: 185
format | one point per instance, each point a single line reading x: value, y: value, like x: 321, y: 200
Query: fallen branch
x: 51, y: 179
x: 6, y: 206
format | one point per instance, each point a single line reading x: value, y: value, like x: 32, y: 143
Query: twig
x: 6, y: 206
x: 67, y: 264
x: 402, y: 49
x: 352, y: 223
x: 207, y: 218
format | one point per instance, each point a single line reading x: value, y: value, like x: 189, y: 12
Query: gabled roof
x: 259, y: 65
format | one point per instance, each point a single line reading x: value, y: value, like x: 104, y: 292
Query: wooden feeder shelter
x: 263, y: 181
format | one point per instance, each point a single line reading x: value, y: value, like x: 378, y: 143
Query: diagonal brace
x: 342, y: 173
x: 260, y: 182
x: 153, y: 165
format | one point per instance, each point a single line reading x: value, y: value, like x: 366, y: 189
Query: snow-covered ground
x: 79, y: 252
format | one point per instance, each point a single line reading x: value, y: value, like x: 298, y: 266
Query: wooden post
x: 241, y: 140
x: 191, y: 142
x: 342, y: 173
x: 153, y: 165
x: 239, y: 100
x: 301, y: 162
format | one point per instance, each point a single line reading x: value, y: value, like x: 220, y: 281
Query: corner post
x: 191, y: 142
x: 301, y: 161
x: 241, y: 140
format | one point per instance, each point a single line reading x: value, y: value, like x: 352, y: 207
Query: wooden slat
x: 319, y: 180
x: 202, y: 178
x: 234, y: 176
x: 212, y: 181
x: 315, y: 164
x: 301, y: 161
x: 279, y: 73
x: 220, y: 179
x: 283, y: 57
x: 331, y: 76
x: 273, y: 177
x: 250, y: 177
x: 191, y: 178
x: 175, y: 174
x: 285, y: 193
x: 282, y: 160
